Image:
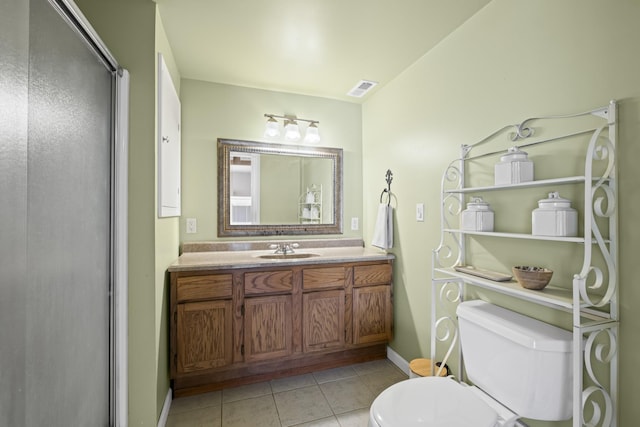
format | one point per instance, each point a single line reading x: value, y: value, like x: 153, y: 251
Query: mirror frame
x: 226, y: 229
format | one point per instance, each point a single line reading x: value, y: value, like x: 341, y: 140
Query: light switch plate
x: 420, y: 212
x: 192, y: 225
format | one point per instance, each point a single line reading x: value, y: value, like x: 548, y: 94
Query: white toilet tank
x: 523, y: 363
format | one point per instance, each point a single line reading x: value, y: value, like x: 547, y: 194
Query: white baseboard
x: 164, y: 415
x: 397, y: 360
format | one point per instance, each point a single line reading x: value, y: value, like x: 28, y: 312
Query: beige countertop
x: 208, y: 260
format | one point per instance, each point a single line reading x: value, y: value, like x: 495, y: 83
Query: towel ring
x: 388, y: 196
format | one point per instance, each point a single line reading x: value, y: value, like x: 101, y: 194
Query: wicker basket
x: 422, y: 368
x: 535, y: 278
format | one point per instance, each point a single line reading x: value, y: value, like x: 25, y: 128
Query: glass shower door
x: 55, y: 223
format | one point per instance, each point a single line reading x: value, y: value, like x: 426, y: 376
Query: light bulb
x: 272, y: 128
x: 312, y: 136
x: 291, y: 130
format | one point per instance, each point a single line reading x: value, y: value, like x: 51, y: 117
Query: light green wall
x: 279, y: 189
x: 211, y: 111
x: 514, y: 59
x: 167, y: 243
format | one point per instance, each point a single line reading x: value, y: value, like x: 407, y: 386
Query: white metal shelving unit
x: 312, y: 208
x: 592, y: 296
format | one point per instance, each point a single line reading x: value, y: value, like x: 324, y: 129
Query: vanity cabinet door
x: 267, y: 327
x: 372, y: 314
x: 323, y: 320
x: 204, y: 335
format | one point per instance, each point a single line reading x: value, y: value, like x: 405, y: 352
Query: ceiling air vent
x: 362, y: 88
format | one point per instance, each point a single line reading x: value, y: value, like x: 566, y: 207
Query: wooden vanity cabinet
x: 323, y: 308
x: 203, y: 316
x: 204, y: 335
x: 267, y: 319
x: 267, y: 327
x: 236, y: 326
x: 372, y: 310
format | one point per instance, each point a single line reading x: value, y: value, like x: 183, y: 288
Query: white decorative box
x: 478, y: 216
x: 554, y: 217
x: 513, y: 168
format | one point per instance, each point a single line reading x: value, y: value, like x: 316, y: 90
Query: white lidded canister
x: 513, y: 168
x: 478, y: 216
x: 554, y: 217
x: 310, y: 198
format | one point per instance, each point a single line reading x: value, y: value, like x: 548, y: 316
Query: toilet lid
x: 431, y: 401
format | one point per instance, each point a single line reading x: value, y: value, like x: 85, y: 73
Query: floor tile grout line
x: 273, y: 397
x: 358, y: 373
x: 327, y: 400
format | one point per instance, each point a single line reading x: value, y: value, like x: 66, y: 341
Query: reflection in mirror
x: 275, y: 189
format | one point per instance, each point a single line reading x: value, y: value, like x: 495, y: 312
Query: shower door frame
x: 118, y: 321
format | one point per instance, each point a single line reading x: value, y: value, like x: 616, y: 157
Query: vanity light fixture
x: 292, y: 130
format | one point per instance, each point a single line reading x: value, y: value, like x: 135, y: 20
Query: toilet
x: 519, y: 367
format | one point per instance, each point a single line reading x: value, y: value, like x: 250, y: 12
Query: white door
x: 168, y: 143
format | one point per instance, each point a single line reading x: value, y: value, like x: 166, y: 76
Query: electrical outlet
x: 420, y: 212
x: 192, y: 225
x: 354, y: 223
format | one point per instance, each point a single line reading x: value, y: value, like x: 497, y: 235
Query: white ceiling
x: 311, y: 47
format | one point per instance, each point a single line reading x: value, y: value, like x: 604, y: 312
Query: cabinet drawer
x: 377, y: 274
x: 268, y: 281
x: 320, y: 278
x: 204, y: 287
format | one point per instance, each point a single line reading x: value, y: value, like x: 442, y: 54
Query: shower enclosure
x: 62, y: 220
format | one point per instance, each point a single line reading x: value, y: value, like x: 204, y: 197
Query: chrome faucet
x: 283, y: 248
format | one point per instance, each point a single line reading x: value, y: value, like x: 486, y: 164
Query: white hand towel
x: 383, y: 233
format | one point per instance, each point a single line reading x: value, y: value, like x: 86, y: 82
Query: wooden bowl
x: 529, y: 277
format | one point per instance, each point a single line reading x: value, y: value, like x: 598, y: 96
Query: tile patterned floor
x: 338, y: 397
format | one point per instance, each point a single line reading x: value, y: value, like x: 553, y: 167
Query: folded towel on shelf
x: 383, y: 233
